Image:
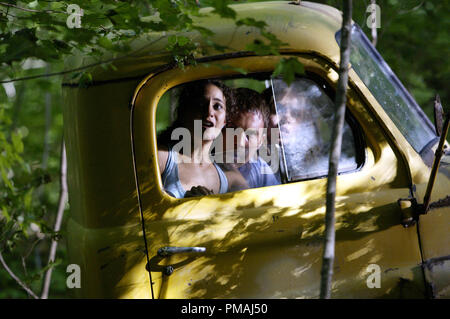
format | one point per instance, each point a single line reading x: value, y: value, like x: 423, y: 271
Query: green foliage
x: 110, y: 26
x: 413, y: 38
x: 222, y: 9
x: 85, y: 79
x: 288, y: 68
x: 182, y: 49
x: 18, y: 211
x: 36, y: 31
x: 251, y: 23
x: 28, y: 188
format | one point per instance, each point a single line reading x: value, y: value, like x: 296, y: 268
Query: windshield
x: 388, y: 90
x: 305, y: 118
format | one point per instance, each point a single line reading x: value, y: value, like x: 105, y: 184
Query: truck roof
x: 308, y: 27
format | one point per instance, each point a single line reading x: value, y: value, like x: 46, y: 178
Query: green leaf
x: 20, y: 44
x: 5, y: 178
x: 261, y: 48
x: 105, y: 43
x: 57, y: 5
x: 182, y: 40
x: 251, y: 23
x: 288, y: 68
x: 27, y: 198
x: 172, y: 40
x: 85, y: 80
x: 221, y: 8
x: 203, y: 31
x: 51, y: 264
x: 5, y: 214
x: 182, y: 50
x: 33, y: 4
x: 17, y: 142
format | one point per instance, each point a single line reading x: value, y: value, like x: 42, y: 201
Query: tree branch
x: 335, y: 154
x: 13, y: 276
x: 59, y: 216
x: 82, y: 67
x: 374, y: 27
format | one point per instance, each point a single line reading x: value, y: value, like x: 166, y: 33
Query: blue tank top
x: 171, y: 181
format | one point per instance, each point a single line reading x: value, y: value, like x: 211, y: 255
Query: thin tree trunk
x: 335, y: 153
x: 61, y: 205
x: 374, y: 25
x: 13, y: 276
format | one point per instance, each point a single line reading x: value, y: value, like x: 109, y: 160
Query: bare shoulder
x: 163, y: 155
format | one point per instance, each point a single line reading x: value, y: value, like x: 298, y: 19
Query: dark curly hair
x: 245, y: 100
x: 189, y: 97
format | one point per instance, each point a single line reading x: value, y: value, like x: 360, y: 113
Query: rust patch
x: 103, y: 249
x: 444, y: 202
x: 444, y: 168
x: 430, y: 263
x: 390, y: 269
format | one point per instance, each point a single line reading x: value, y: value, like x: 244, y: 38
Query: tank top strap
x: 223, y: 180
x: 171, y: 161
x: 170, y: 179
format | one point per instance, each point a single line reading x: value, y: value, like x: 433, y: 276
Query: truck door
x: 267, y: 242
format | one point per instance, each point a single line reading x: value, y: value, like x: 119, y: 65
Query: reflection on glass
x: 305, y: 116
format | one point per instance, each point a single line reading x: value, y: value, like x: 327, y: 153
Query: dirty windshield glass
x: 305, y: 116
x: 388, y: 90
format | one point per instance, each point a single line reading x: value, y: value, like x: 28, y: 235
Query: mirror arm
x: 423, y: 208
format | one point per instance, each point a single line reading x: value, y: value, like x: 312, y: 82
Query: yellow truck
x: 133, y: 240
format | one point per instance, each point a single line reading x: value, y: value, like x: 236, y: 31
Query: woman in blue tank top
x: 186, y: 167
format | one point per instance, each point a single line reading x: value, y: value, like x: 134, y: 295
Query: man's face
x: 248, y: 137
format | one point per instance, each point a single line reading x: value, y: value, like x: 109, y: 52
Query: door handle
x: 169, y: 251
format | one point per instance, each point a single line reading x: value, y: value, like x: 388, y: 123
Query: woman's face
x: 211, y: 112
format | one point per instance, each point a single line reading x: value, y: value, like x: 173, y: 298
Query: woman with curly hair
x: 193, y: 173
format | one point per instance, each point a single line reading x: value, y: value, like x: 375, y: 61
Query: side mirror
x: 441, y: 130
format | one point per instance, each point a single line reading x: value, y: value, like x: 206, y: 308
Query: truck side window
x: 292, y: 144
